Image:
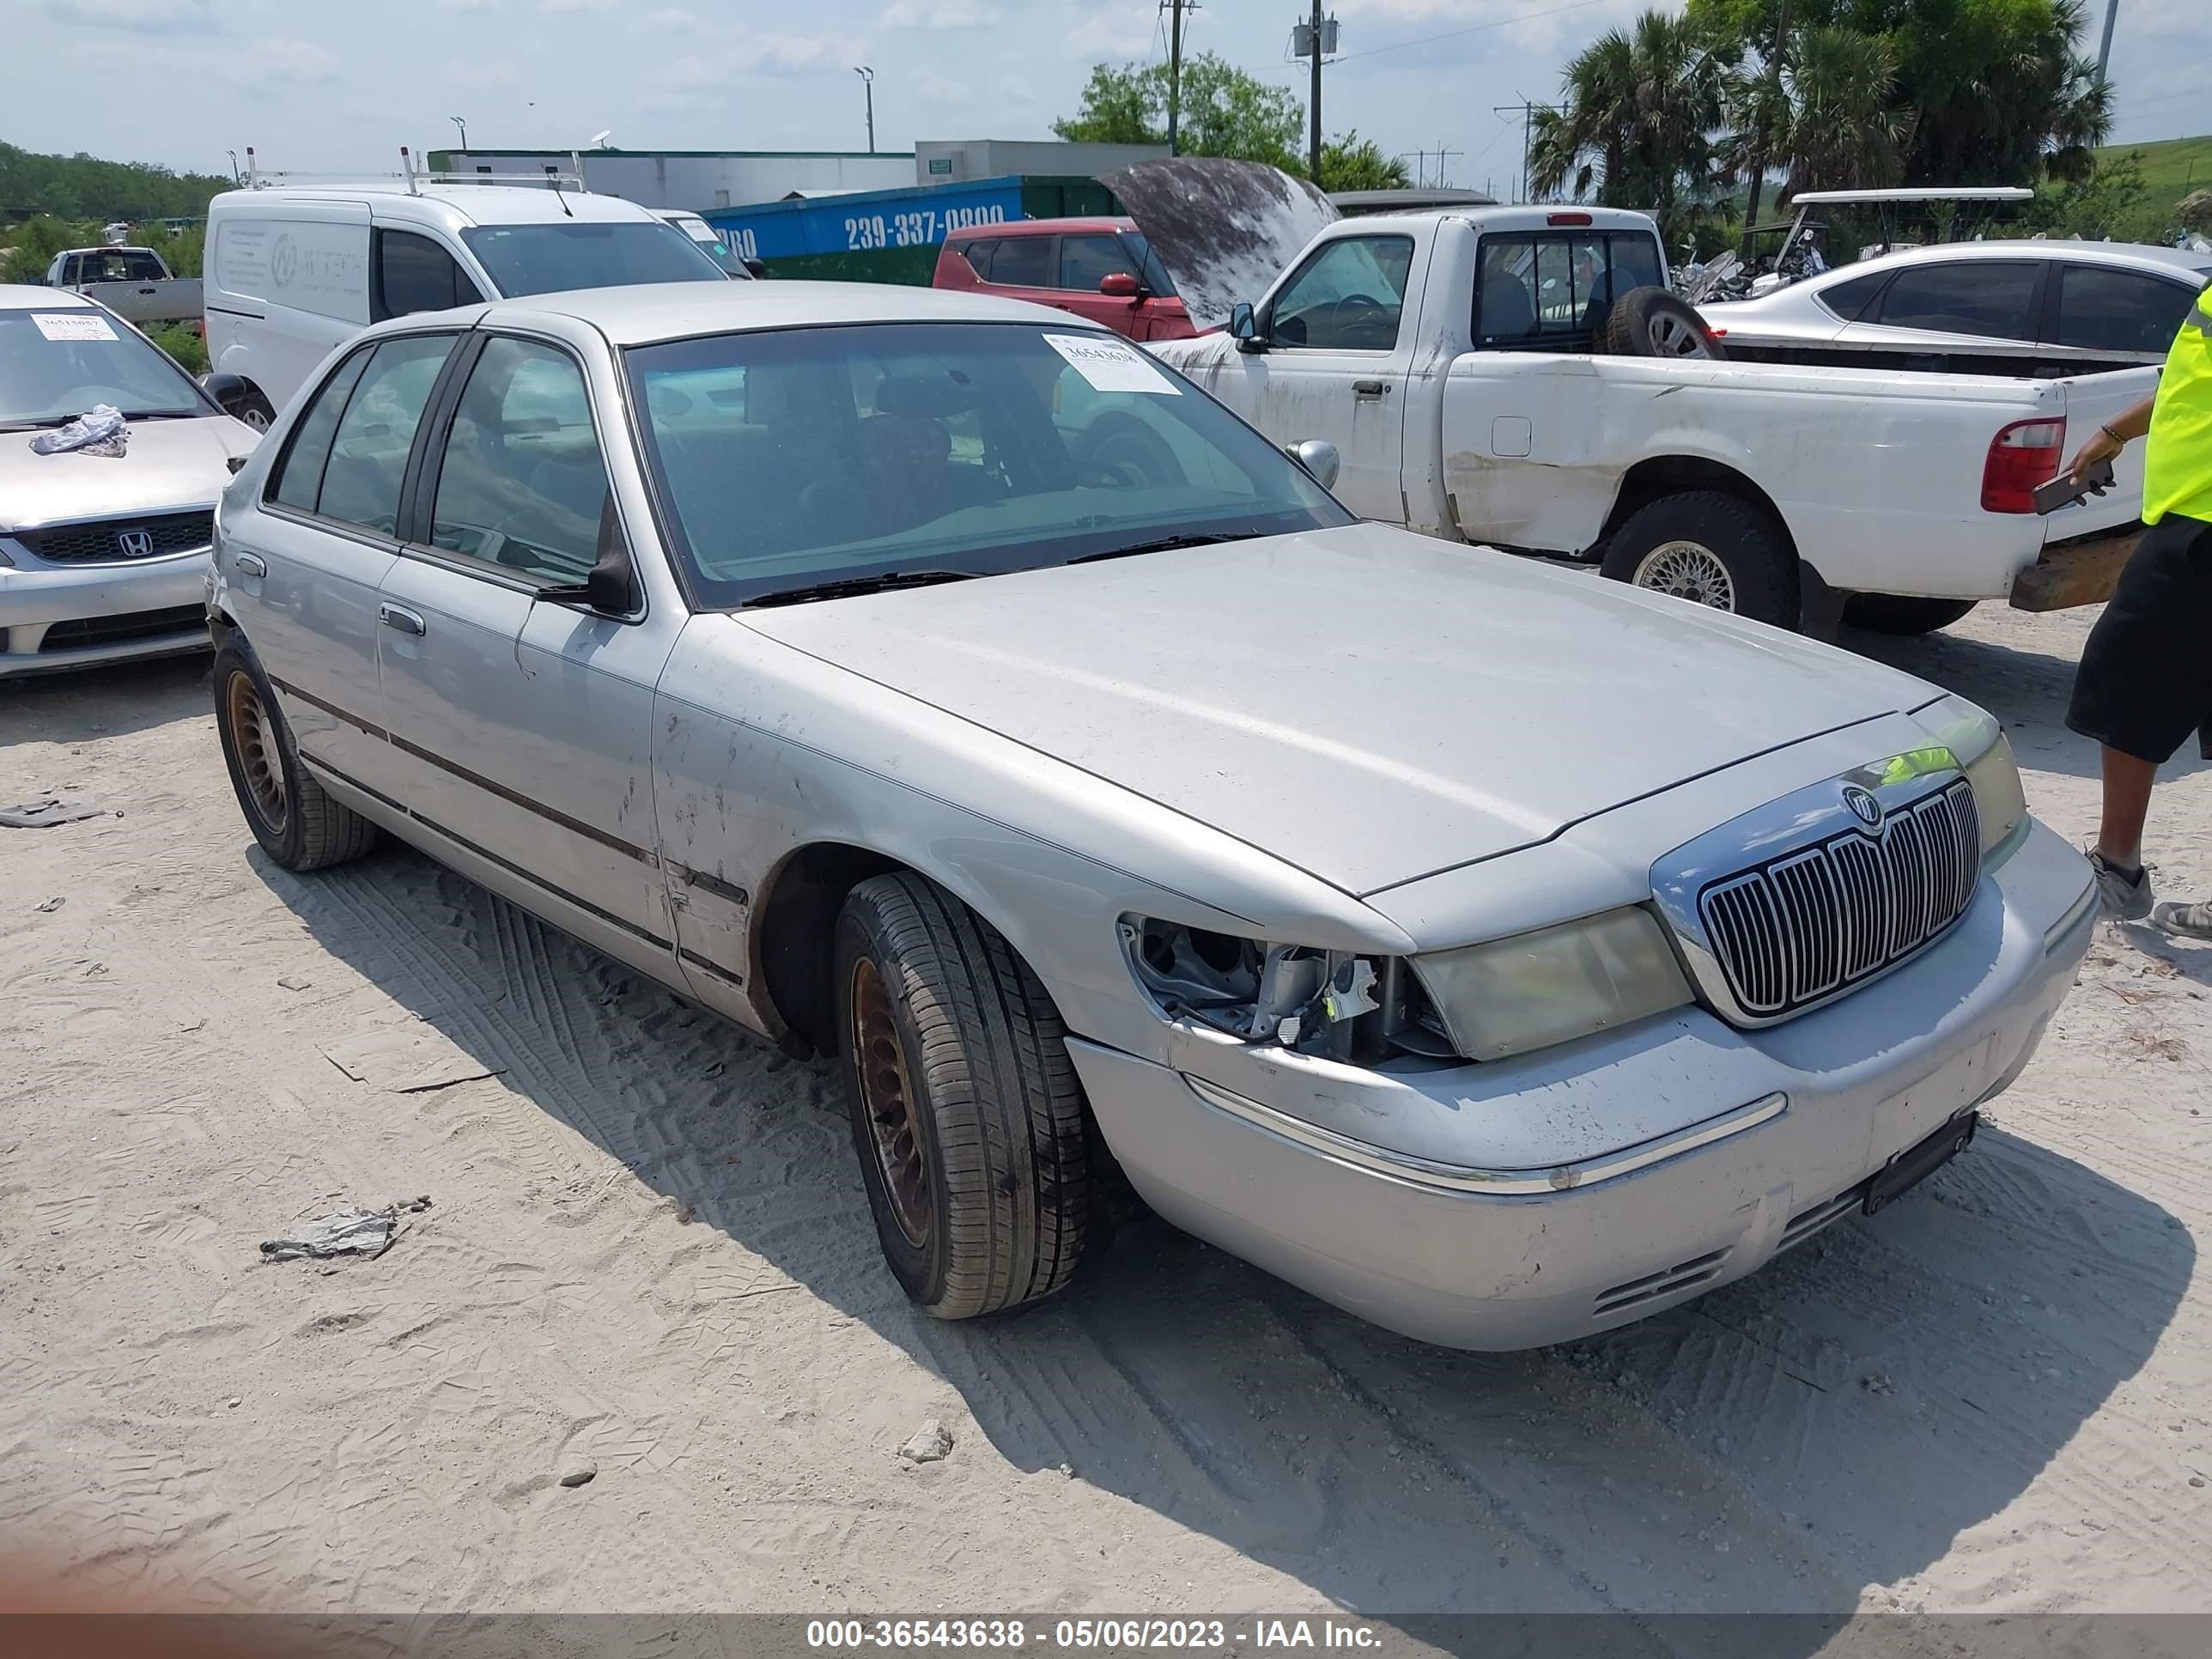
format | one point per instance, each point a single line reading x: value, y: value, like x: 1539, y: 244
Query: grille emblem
x: 134, y: 543
x: 1864, y: 807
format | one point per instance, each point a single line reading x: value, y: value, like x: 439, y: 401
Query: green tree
x: 1829, y: 120
x: 1639, y: 120
x: 85, y: 187
x: 1351, y: 162
x: 31, y: 247
x: 2111, y: 200
x: 1224, y: 112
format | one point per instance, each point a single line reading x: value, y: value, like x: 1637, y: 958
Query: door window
x: 413, y: 273
x: 1023, y: 262
x: 300, y: 476
x: 1350, y: 296
x: 1087, y: 261
x: 368, y: 452
x: 2105, y: 310
x: 1993, y: 298
x: 522, y: 484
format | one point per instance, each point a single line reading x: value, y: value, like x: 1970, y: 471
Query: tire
x: 1893, y: 613
x: 296, y: 821
x: 1710, y: 547
x: 1655, y: 322
x: 966, y: 1115
x: 256, y: 411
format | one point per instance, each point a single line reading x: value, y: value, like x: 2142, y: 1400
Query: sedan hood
x: 1366, y: 704
x: 168, y: 464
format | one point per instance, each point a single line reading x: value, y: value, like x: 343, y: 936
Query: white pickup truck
x: 1453, y: 360
x: 133, y: 283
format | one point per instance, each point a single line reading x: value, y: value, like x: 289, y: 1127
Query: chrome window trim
x: 1489, y: 1183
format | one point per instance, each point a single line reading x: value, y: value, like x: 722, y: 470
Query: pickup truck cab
x: 1450, y: 358
x: 133, y: 283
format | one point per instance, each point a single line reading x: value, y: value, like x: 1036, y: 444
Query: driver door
x: 1341, y: 344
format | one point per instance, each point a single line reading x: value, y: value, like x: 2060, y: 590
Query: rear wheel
x: 966, y: 1113
x: 1712, y: 549
x: 1894, y: 613
x: 294, y: 817
x: 256, y: 412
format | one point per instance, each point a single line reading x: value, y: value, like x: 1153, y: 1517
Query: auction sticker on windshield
x: 73, y: 325
x: 1110, y: 365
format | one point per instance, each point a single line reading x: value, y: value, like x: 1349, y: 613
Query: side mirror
x: 231, y: 393
x: 1319, y: 458
x: 1244, y: 328
x: 610, y: 589
x: 758, y: 267
x: 1121, y: 285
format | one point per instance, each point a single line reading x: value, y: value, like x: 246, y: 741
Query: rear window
x: 584, y: 253
x: 2105, y: 310
x: 121, y: 265
x: 1554, y: 289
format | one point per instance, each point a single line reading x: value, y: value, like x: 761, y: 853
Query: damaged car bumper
x: 1554, y: 1216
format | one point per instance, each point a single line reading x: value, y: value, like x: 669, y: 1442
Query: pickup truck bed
x: 1797, y: 484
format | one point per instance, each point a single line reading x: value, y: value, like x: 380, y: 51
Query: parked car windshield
x: 55, y: 364
x: 794, y: 458
x: 587, y: 253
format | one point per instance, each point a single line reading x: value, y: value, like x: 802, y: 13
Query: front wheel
x: 1895, y: 613
x: 966, y: 1112
x: 1712, y: 549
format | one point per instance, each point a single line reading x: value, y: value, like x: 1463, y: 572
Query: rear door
x: 1340, y: 331
x: 1975, y: 315
x: 1024, y: 268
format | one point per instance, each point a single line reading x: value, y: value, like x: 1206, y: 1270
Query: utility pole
x: 1527, y: 109
x: 1758, y: 136
x: 868, y: 79
x: 1175, y: 9
x: 1313, y: 113
x: 1444, y: 155
x: 2104, y: 51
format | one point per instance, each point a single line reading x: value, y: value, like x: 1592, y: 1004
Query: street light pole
x: 868, y: 80
x: 464, y: 125
x: 2104, y: 51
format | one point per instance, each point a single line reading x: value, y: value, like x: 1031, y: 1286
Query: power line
x: 1478, y: 29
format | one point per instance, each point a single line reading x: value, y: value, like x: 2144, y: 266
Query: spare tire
x: 1653, y: 322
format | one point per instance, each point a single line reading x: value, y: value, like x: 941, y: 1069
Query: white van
x: 291, y: 271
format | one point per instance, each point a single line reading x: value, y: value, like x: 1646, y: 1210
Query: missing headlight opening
x: 1332, y: 1003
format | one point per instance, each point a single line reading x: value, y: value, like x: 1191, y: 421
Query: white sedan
x: 2025, y: 307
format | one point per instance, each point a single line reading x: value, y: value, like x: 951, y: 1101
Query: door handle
x: 251, y: 564
x: 1370, y: 388
x: 393, y: 616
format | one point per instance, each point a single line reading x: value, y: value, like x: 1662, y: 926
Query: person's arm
x: 2108, y: 441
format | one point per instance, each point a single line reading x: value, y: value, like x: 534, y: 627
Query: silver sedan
x: 940, y: 685
x: 103, y: 557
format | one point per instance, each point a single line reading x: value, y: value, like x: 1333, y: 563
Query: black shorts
x: 2145, y: 682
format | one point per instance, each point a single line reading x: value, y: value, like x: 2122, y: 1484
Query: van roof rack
x: 414, y: 179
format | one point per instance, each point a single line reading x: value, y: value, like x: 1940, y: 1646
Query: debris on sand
x: 582, y: 1475
x: 47, y: 810
x: 931, y: 1443
x: 345, y: 1232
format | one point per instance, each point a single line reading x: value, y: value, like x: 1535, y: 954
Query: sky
x: 317, y: 86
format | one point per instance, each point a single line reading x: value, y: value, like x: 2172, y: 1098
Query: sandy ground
x: 648, y: 1251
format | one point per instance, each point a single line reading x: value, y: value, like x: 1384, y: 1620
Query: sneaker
x: 2183, y: 921
x: 2126, y: 895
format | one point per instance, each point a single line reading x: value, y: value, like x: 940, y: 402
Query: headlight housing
x: 1976, y: 737
x: 1511, y: 995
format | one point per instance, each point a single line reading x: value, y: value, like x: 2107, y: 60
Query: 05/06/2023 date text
x: 919, y: 230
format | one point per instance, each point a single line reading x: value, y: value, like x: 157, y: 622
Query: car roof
x: 649, y: 313
x: 1106, y: 226
x: 2140, y: 255
x: 27, y: 296
x: 453, y: 207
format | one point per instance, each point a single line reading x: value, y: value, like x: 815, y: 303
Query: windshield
x: 792, y: 458
x: 587, y: 253
x: 56, y: 364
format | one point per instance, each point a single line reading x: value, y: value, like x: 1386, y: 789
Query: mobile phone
x: 2065, y: 490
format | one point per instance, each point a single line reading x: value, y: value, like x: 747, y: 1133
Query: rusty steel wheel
x: 261, y: 767
x: 887, y: 1096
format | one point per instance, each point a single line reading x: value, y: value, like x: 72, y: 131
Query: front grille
x: 1818, y: 920
x: 118, y: 541
x: 123, y: 629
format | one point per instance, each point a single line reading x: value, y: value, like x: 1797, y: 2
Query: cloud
x: 145, y: 16
x: 470, y: 5
x: 294, y: 62
x: 939, y: 14
x: 740, y: 57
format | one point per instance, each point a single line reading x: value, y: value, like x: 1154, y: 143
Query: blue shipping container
x: 865, y: 221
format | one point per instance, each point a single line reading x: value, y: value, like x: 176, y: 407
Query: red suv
x: 1101, y: 269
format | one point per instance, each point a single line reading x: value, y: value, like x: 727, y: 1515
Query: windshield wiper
x: 1171, y: 544
x: 847, y: 587
x: 163, y: 414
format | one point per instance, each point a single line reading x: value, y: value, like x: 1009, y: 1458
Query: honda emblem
x: 134, y: 543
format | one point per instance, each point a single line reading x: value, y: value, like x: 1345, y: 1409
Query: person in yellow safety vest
x: 2145, y: 681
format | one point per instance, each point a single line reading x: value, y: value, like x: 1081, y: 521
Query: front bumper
x: 1472, y: 1254
x: 57, y: 616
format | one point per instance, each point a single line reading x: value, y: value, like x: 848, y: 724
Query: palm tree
x: 1637, y: 120
x: 1830, y: 120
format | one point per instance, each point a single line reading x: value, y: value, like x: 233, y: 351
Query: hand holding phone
x: 2069, y: 488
